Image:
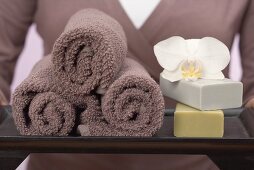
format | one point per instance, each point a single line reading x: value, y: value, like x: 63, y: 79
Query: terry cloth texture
x: 89, y: 57
x: 37, y: 107
x: 132, y: 106
x: 89, y: 52
x: 86, y: 56
x: 42, y: 106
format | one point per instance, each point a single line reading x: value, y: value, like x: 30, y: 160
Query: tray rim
x: 128, y: 145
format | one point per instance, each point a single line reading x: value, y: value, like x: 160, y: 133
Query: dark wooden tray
x: 238, y: 140
x: 238, y: 137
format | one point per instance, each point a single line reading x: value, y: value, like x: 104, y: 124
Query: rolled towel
x: 84, y: 105
x: 37, y: 107
x: 132, y: 106
x: 90, y: 51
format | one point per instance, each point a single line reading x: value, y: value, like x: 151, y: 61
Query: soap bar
x: 190, y: 122
x: 204, y: 94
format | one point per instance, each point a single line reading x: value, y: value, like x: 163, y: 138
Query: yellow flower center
x: 191, y: 70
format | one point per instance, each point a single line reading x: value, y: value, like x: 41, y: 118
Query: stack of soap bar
x: 190, y: 122
x: 204, y: 94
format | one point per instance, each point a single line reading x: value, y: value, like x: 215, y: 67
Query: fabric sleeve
x: 247, y: 52
x: 15, y: 18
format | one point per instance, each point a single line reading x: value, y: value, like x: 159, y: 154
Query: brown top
x: 221, y: 19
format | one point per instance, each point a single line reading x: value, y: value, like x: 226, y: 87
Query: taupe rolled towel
x: 132, y: 106
x: 38, y: 108
x: 86, y: 104
x: 90, y: 51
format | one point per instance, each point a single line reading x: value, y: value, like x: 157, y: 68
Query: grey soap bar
x: 204, y: 94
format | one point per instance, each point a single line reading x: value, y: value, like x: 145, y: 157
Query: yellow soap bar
x: 190, y: 122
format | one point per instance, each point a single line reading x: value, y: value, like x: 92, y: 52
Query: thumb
x: 250, y: 103
x: 3, y: 100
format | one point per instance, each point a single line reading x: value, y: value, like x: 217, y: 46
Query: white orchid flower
x: 192, y: 59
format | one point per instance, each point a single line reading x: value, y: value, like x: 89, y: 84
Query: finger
x: 250, y: 103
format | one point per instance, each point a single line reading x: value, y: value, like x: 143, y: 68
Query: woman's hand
x: 3, y: 100
x: 250, y: 103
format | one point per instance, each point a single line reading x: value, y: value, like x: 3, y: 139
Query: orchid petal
x: 171, y: 52
x: 172, y: 76
x: 205, y: 58
x: 213, y: 54
x: 217, y: 76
